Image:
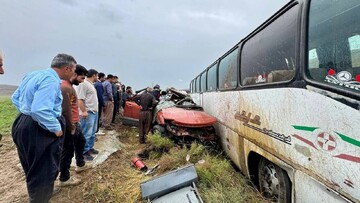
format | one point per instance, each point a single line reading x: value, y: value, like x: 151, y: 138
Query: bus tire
x: 274, y: 183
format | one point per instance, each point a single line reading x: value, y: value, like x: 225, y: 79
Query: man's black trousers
x: 39, y: 153
x: 72, y: 143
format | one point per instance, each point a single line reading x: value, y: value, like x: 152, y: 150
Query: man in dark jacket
x: 147, y: 103
x: 156, y: 92
x: 100, y: 93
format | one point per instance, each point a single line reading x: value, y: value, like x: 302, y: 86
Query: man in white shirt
x: 88, y: 104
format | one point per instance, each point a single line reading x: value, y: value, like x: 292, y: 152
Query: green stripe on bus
x: 305, y: 128
x: 349, y: 139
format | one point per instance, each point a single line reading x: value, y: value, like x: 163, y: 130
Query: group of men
x: 59, y: 111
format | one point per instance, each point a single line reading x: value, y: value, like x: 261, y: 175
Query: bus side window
x: 271, y: 52
x: 228, y: 70
x: 203, y: 81
x: 198, y: 84
x: 211, y: 78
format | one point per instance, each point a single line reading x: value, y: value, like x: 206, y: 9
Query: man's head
x: 116, y: 79
x: 79, y: 76
x: 64, y: 65
x: 92, y: 75
x: 1, y: 62
x: 157, y: 87
x: 101, y: 77
x: 110, y: 78
x: 128, y: 89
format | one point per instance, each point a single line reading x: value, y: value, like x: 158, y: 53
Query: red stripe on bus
x: 348, y: 157
x: 305, y: 140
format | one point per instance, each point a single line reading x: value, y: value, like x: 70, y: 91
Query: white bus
x: 287, y: 100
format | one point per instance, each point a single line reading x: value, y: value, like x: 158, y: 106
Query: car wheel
x: 274, y: 183
x: 158, y: 129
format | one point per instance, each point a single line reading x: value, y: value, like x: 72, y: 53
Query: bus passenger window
x: 211, y: 78
x: 228, y: 71
x: 334, y: 46
x: 198, y: 84
x: 203, y: 82
x: 269, y: 56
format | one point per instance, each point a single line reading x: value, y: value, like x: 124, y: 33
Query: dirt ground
x: 112, y: 181
x: 12, y: 180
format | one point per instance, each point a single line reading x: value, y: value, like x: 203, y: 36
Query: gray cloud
x: 105, y: 15
x: 69, y: 2
x: 143, y: 42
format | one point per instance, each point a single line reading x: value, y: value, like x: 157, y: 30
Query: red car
x: 176, y: 116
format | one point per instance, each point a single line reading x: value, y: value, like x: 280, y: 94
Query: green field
x: 8, y: 114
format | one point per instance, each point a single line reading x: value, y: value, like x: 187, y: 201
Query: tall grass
x: 8, y: 114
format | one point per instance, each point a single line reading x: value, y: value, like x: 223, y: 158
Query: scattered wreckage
x: 175, y: 186
x: 176, y: 116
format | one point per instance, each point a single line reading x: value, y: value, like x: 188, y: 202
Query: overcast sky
x: 144, y: 42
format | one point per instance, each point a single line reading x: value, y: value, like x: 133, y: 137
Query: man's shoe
x: 86, y: 166
x: 93, y: 151
x: 88, y: 157
x: 70, y: 182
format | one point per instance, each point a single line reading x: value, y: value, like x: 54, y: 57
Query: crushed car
x: 176, y: 116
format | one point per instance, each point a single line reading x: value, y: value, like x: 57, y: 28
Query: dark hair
x: 116, y: 77
x: 91, y: 72
x: 128, y: 87
x: 80, y: 70
x: 101, y: 75
x: 110, y: 76
x: 62, y: 60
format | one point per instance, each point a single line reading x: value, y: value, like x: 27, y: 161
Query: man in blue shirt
x: 37, y: 131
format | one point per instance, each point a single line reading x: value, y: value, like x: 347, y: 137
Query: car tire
x: 158, y: 129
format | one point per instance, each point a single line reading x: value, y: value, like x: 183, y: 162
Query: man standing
x: 126, y: 95
x: 1, y: 63
x: 156, y: 92
x: 116, y: 98
x: 100, y: 94
x: 38, y: 129
x: 74, y: 140
x: 1, y: 72
x: 109, y: 103
x: 147, y: 103
x: 88, y: 104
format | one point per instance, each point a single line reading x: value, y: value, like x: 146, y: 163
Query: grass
x: 218, y: 180
x: 7, y: 115
x: 160, y: 143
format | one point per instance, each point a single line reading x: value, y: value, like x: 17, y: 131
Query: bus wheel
x: 158, y: 129
x: 274, y: 184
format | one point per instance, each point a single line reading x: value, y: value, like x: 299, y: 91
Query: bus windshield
x: 334, y: 43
